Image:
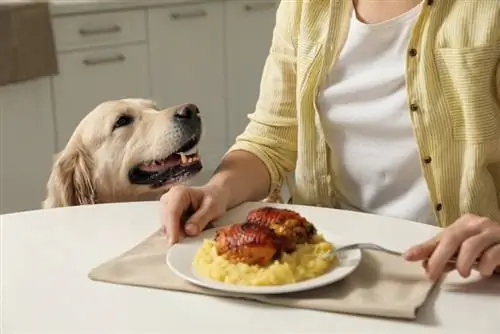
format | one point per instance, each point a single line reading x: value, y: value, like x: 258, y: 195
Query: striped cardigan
x: 453, y: 85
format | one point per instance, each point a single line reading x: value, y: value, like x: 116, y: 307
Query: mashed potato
x: 307, y: 262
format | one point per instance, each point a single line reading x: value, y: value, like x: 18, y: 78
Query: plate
x: 180, y: 256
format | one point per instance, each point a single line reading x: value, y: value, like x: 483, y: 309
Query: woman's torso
x: 364, y: 113
x: 451, y: 69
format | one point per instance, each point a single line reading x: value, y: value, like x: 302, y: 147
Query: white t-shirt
x: 364, y: 111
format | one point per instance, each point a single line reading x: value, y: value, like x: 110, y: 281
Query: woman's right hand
x: 203, y: 205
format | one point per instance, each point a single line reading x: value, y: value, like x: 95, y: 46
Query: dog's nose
x: 187, y: 112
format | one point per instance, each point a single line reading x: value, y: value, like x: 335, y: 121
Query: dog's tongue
x: 161, y: 165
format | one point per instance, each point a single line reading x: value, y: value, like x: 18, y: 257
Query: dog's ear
x: 70, y: 182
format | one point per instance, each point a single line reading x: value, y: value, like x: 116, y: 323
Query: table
x: 47, y: 254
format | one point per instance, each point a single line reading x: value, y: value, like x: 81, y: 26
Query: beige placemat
x: 383, y: 285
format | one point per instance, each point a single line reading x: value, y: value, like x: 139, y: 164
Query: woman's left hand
x: 470, y: 238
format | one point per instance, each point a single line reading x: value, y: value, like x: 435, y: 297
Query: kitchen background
x: 65, y: 58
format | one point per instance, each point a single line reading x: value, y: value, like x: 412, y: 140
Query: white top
x: 366, y: 118
x: 47, y: 254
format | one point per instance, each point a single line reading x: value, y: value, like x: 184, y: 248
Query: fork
x: 375, y: 247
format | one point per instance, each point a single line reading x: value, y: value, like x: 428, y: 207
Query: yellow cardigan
x: 453, y: 85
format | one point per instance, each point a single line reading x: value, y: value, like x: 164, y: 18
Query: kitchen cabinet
x: 249, y: 28
x: 90, y: 77
x: 208, y: 53
x: 186, y: 47
x: 26, y: 144
x: 99, y: 30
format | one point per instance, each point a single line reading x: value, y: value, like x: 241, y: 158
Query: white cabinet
x: 101, y: 29
x: 88, y: 78
x: 187, y: 66
x: 26, y: 144
x: 249, y: 29
x: 210, y: 53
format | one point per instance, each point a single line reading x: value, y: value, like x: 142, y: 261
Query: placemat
x: 383, y: 285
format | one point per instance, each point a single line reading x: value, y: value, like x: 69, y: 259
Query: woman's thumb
x: 200, y: 218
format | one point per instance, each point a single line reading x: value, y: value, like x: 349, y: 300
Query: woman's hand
x: 470, y: 238
x: 202, y: 205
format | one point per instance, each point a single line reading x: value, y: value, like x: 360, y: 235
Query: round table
x: 47, y: 254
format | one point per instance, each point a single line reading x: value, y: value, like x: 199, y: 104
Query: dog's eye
x: 123, y: 121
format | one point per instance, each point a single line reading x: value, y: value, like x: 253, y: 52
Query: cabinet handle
x: 99, y: 31
x: 188, y: 15
x: 258, y: 7
x: 104, y: 60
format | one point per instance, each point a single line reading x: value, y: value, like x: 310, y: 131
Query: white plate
x: 181, y: 255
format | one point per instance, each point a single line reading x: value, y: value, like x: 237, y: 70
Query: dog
x: 126, y: 150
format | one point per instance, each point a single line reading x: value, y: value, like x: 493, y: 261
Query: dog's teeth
x: 192, y: 151
x: 184, y: 158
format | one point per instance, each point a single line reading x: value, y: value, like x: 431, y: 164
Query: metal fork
x: 375, y: 247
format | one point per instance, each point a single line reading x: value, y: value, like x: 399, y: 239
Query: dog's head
x: 126, y: 150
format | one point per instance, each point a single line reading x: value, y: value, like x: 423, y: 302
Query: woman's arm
x: 256, y: 164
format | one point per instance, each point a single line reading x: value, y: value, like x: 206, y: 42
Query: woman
x: 389, y: 107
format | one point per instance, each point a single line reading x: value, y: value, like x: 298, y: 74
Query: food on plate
x: 274, y: 246
x: 288, y: 225
x: 247, y: 243
x: 266, y: 234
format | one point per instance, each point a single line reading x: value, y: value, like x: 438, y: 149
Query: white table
x: 46, y: 256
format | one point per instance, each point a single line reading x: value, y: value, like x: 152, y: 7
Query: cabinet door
x: 187, y: 66
x: 26, y: 144
x: 249, y: 29
x: 88, y: 78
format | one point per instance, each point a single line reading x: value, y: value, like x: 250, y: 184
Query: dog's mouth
x: 178, y: 166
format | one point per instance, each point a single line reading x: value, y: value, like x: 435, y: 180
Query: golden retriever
x: 126, y: 150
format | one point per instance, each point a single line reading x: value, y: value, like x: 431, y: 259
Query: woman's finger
x: 448, y: 246
x: 471, y: 250
x: 172, y: 206
x: 490, y: 261
x: 449, y: 266
x: 422, y: 251
x: 206, y: 213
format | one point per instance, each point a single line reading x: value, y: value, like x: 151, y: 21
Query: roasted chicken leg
x: 284, y: 222
x: 247, y: 243
x: 264, y: 236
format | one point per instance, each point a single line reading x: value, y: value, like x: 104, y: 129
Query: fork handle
x: 369, y: 246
